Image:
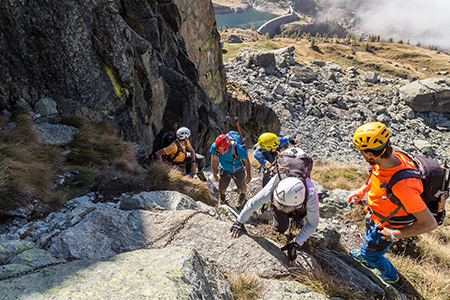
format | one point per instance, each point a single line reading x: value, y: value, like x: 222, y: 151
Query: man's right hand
x: 215, y: 178
x: 356, y: 196
x: 236, y: 229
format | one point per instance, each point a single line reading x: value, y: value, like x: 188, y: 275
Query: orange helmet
x: 222, y: 143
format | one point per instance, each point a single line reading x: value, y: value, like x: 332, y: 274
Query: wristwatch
x: 393, y: 236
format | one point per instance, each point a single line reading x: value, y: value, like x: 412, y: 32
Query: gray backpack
x: 294, y: 162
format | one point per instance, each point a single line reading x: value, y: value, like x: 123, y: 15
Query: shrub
x: 168, y: 177
x: 245, y: 287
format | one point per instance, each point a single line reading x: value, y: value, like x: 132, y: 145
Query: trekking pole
x: 446, y: 178
x: 228, y: 120
x: 239, y: 128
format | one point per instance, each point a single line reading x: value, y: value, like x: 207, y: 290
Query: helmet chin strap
x: 372, y: 160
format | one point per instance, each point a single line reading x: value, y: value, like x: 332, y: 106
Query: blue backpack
x: 235, y: 139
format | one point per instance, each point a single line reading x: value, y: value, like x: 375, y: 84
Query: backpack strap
x: 180, y: 149
x: 235, y: 155
x: 404, y: 220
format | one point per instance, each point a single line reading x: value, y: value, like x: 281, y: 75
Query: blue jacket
x: 226, y: 159
x: 262, y: 155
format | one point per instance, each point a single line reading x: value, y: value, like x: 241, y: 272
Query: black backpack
x: 433, y: 180
x: 294, y: 162
x: 167, y: 139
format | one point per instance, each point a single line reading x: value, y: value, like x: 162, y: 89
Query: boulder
x: 429, y: 94
x: 369, y: 77
x: 55, y: 134
x: 234, y: 39
x: 334, y: 204
x: 161, y: 200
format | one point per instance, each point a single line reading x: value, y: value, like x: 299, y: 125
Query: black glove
x: 237, y: 228
x: 291, y: 250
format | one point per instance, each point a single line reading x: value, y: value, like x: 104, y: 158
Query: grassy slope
x: 392, y: 59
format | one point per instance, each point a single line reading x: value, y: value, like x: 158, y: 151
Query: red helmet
x: 222, y: 143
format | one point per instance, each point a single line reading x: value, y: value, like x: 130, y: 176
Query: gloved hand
x: 236, y: 229
x: 291, y: 249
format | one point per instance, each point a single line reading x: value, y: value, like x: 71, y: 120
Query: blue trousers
x: 373, y: 250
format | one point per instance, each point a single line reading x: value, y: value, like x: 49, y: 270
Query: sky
x: 424, y: 21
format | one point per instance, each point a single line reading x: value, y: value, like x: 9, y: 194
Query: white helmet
x: 290, y: 192
x: 183, y: 133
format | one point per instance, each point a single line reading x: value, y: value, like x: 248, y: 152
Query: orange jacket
x: 407, y: 191
x: 172, y: 149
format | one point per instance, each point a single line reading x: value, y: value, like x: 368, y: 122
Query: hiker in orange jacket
x: 181, y: 154
x: 384, y: 227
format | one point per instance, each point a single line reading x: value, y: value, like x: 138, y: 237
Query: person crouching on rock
x: 180, y: 153
x: 288, y: 203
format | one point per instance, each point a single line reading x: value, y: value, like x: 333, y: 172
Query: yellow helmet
x: 268, y: 141
x: 371, y: 136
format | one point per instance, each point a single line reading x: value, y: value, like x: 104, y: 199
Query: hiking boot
x: 201, y: 176
x: 222, y: 200
x: 388, y: 280
x: 357, y: 255
x: 241, y: 202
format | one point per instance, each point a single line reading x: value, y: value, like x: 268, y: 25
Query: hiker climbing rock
x: 266, y: 152
x: 228, y: 153
x: 181, y: 153
x: 292, y: 197
x: 387, y: 222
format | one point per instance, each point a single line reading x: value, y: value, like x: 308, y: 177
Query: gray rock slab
x: 280, y: 290
x: 34, y: 258
x: 163, y: 200
x: 10, y: 248
x: 171, y: 273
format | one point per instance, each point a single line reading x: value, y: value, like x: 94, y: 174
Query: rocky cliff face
x: 199, y: 30
x: 147, y: 66
x: 124, y: 61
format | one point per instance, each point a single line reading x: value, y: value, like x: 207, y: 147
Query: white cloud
x: 424, y: 21
x: 421, y: 21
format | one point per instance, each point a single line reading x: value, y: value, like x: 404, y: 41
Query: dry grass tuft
x: 24, y: 165
x: 169, y: 177
x: 27, y: 167
x: 357, y: 214
x: 97, y: 145
x: 244, y: 286
x: 337, y: 176
x: 430, y: 280
x: 322, y: 282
